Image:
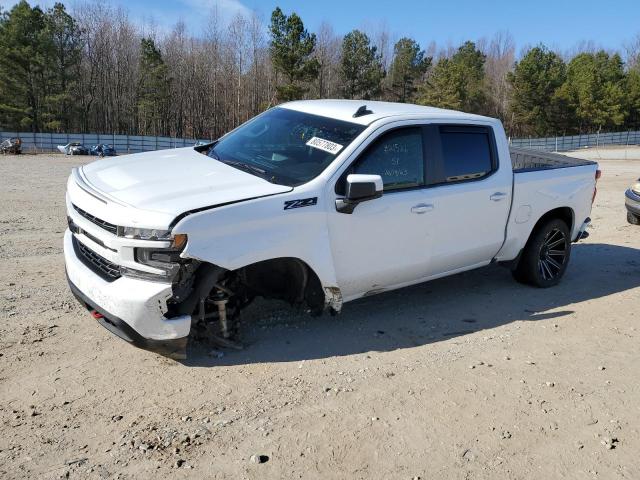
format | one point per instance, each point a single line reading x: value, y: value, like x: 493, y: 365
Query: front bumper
x: 131, y: 308
x: 632, y: 202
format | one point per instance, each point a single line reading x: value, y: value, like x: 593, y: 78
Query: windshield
x: 285, y: 146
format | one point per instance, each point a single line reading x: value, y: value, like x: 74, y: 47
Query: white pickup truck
x: 317, y: 203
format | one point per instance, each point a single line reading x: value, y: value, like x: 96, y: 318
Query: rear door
x: 470, y: 194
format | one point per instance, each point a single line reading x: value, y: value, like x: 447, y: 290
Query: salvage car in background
x: 11, y: 145
x: 632, y: 202
x: 102, y: 150
x: 73, y: 148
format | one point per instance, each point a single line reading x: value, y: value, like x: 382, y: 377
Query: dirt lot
x: 468, y: 377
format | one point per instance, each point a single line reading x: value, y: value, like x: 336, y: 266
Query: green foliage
x: 50, y: 80
x: 536, y: 107
x: 594, y: 90
x: 633, y: 97
x: 458, y: 82
x: 291, y: 52
x: 64, y: 35
x: 361, y: 67
x: 408, y: 66
x: 153, y: 89
x: 39, y: 53
x: 23, y: 67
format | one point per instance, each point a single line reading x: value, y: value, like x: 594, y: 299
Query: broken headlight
x: 166, y: 260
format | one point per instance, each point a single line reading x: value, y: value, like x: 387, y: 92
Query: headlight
x: 146, y: 233
x: 166, y: 260
x: 177, y: 241
x: 636, y: 188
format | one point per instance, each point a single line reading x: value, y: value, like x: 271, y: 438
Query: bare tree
x: 500, y: 59
x: 328, y: 56
x: 632, y: 52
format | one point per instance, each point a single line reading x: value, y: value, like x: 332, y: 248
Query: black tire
x: 546, y: 255
x: 633, y: 219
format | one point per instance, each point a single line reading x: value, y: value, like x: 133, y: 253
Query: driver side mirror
x: 359, y: 188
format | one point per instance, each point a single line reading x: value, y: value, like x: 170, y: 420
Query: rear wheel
x: 546, y: 255
x: 633, y: 219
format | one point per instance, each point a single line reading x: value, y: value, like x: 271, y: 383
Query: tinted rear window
x: 466, y: 153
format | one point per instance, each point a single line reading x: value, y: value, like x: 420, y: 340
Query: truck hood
x: 174, y: 181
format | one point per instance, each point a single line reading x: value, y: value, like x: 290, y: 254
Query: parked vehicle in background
x: 102, y: 150
x: 632, y: 202
x: 73, y: 148
x: 316, y: 203
x: 11, y: 145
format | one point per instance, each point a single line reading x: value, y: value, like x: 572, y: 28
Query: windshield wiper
x: 245, y: 166
x: 252, y: 169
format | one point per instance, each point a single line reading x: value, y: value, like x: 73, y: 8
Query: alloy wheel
x: 553, y: 254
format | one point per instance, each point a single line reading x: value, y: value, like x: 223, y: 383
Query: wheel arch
x: 286, y: 278
x: 566, y: 214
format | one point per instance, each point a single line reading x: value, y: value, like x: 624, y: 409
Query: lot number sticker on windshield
x: 326, y: 145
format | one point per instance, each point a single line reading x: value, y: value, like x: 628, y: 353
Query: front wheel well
x: 286, y: 278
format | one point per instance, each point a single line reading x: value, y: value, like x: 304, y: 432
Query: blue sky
x: 561, y: 24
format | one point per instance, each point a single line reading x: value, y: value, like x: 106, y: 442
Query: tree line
x: 95, y: 70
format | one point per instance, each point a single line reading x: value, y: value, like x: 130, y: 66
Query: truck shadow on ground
x: 430, y: 312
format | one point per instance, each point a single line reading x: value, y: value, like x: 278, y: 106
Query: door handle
x: 496, y: 197
x: 422, y: 208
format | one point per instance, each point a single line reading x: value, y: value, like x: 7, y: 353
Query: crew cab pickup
x: 316, y: 203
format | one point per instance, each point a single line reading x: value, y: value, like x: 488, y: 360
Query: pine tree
x: 24, y: 55
x: 291, y: 52
x: 153, y: 89
x: 408, y: 66
x: 361, y: 67
x: 594, y: 90
x: 458, y: 82
x: 536, y: 107
x: 65, y: 49
x: 632, y: 91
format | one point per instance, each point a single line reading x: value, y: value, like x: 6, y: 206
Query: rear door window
x: 466, y: 153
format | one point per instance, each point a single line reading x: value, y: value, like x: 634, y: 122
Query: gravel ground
x: 469, y: 377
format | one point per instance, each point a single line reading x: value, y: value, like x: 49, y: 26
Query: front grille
x: 109, y: 227
x: 97, y: 263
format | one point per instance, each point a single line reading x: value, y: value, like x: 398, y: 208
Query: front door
x: 385, y: 242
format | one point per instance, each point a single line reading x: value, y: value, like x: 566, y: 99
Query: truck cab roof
x: 346, y: 109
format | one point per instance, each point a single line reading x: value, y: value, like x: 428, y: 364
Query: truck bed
x: 524, y: 160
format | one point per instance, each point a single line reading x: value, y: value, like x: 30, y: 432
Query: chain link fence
x: 575, y: 142
x: 48, y: 142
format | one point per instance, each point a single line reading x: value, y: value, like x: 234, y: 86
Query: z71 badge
x: 304, y: 202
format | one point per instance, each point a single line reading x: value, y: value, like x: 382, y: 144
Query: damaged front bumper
x: 131, y: 308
